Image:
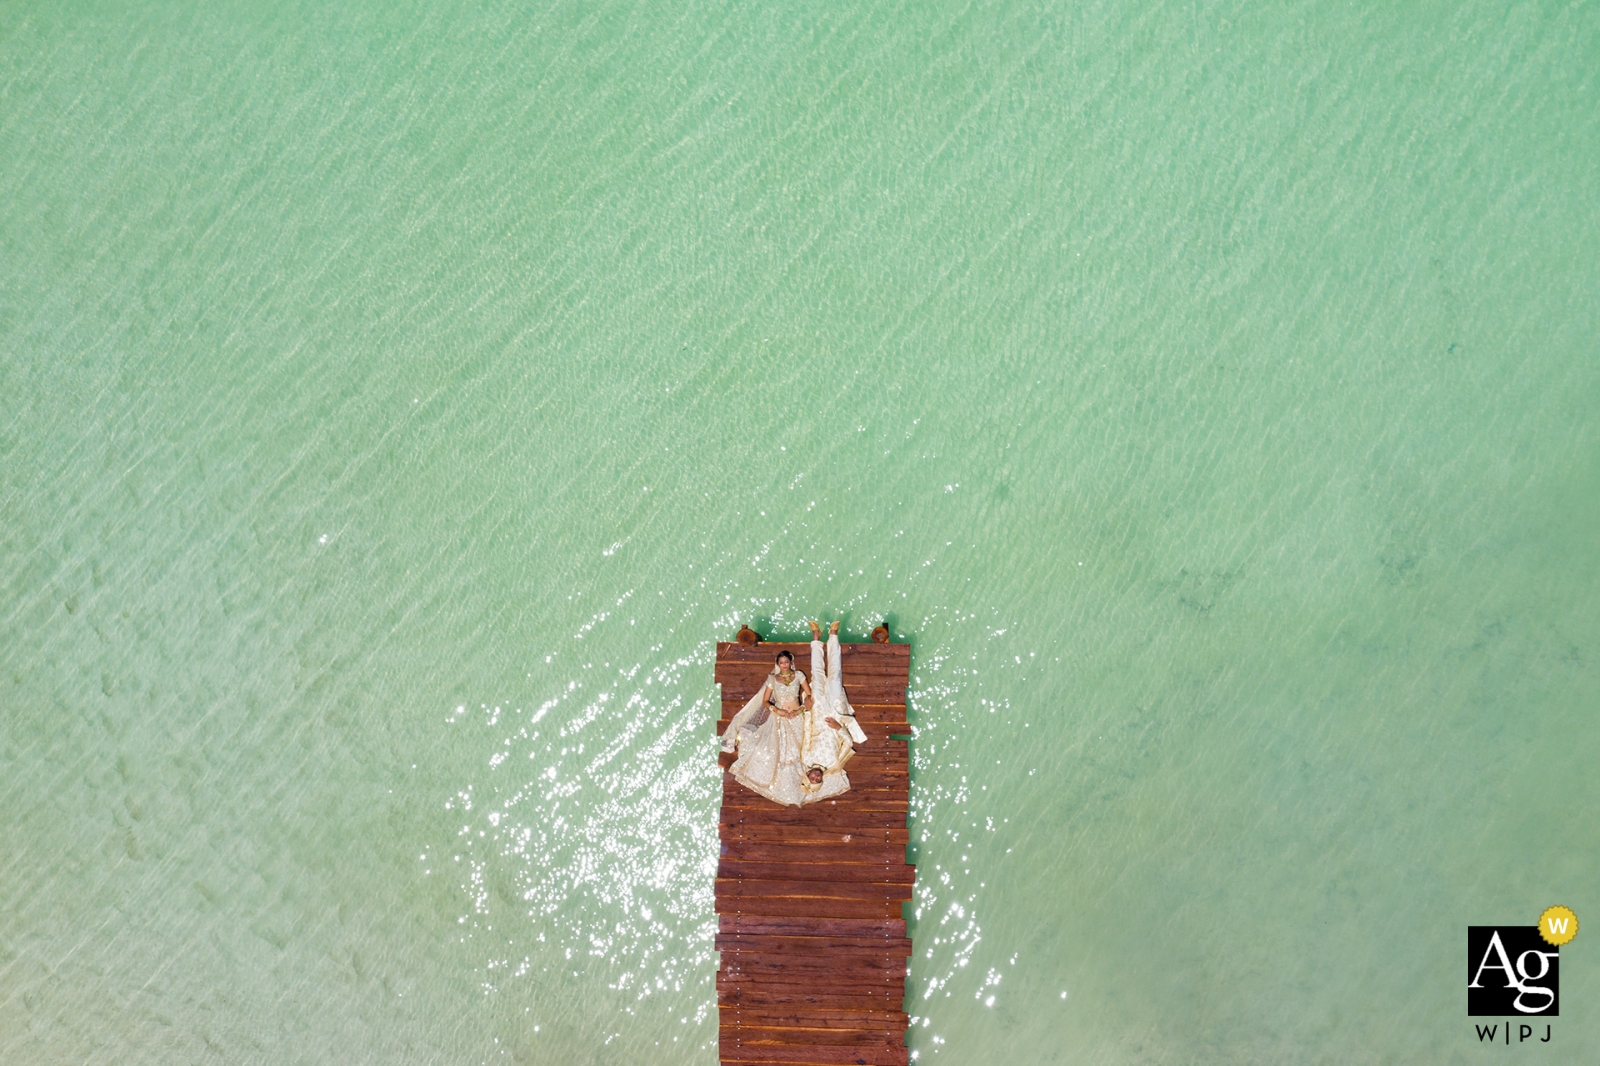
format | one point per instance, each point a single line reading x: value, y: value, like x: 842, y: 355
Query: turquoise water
x: 396, y: 402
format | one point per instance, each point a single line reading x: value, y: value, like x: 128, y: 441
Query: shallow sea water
x: 397, y: 402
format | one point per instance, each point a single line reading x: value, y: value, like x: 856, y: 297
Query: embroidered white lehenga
x: 778, y: 739
x: 769, y: 735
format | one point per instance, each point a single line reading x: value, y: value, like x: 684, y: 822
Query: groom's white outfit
x: 825, y: 746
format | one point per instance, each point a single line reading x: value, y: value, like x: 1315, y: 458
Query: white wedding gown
x: 775, y: 752
x: 769, y: 745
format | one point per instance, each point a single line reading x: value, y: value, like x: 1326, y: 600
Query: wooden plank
x: 799, y: 836
x: 873, y: 694
x: 880, y: 992
x: 864, y: 778
x: 881, y: 755
x: 852, y: 972
x: 738, y: 992
x: 807, y: 966
x: 864, y: 863
x: 781, y: 906
x: 847, y: 970
x: 758, y: 1035
x: 780, y: 1055
x: 825, y: 946
x: 792, y: 1046
x: 776, y: 1016
x: 852, y: 852
x: 871, y: 763
x: 878, y: 753
x: 864, y: 873
x: 879, y: 989
x: 735, y: 889
x: 876, y: 993
x: 865, y: 852
x: 755, y: 1035
x: 886, y: 747
x: 848, y: 945
x: 731, y: 888
x: 880, y: 744
x: 770, y: 1055
x: 863, y: 1046
x: 837, y: 994
x: 805, y: 953
x: 846, y: 927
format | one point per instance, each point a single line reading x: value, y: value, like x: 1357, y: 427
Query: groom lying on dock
x: 828, y: 749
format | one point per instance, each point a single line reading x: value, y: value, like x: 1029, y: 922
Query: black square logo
x: 1511, y: 972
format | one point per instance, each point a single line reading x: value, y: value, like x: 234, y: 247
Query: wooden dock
x: 808, y: 899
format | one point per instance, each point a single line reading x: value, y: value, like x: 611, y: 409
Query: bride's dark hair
x: 782, y: 655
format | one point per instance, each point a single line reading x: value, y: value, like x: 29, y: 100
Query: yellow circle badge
x: 1558, y: 925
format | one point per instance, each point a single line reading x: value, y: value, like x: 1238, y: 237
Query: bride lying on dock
x: 793, y: 743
